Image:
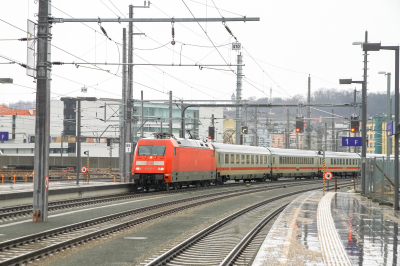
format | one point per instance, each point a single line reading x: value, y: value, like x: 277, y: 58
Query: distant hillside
x: 376, y: 103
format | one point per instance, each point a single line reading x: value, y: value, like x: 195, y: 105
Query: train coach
x: 164, y: 163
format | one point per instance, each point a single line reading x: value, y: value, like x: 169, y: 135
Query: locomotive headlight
x: 138, y: 168
x: 160, y: 168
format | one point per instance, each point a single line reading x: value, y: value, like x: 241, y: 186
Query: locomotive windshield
x: 151, y: 150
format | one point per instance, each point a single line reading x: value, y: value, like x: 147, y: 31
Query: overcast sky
x: 292, y: 40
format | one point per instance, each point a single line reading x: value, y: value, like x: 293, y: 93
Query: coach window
x: 252, y: 159
x: 273, y: 160
x: 238, y: 158
x: 256, y: 159
x: 232, y: 158
x: 281, y: 160
x: 243, y: 159
x: 221, y: 158
x: 248, y: 159
x: 226, y: 158
x: 266, y: 159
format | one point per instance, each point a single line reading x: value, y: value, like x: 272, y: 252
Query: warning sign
x: 328, y: 175
x: 84, y: 169
x: 46, y: 182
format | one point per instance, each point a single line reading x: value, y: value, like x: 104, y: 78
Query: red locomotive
x: 161, y: 163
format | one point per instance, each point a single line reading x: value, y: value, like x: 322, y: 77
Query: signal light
x: 355, y: 126
x: 300, y: 126
x: 211, y: 132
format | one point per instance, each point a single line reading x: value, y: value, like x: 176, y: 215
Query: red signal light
x: 209, y: 137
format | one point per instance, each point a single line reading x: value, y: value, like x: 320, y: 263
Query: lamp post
x: 363, y: 127
x: 388, y: 117
x: 377, y: 47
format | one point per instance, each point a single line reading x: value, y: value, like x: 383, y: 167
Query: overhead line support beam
x: 119, y: 20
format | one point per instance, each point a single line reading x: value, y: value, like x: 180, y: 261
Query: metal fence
x: 379, y: 179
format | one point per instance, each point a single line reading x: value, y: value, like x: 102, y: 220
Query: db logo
x: 328, y: 175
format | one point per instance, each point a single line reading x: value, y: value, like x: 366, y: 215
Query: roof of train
x: 278, y: 151
x: 239, y: 148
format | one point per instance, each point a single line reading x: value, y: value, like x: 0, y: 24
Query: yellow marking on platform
x: 332, y: 248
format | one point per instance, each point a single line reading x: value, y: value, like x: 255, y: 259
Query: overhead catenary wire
x: 205, y: 33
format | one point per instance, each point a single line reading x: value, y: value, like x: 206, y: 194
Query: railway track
x: 224, y: 243
x: 24, y: 249
x: 26, y: 210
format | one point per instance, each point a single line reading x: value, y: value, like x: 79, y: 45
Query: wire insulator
x: 23, y: 39
x: 57, y: 63
x: 229, y: 30
x: 104, y: 32
x: 173, y: 34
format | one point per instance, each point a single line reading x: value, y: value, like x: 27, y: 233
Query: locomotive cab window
x: 152, y: 150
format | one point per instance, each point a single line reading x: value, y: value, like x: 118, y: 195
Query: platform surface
x: 335, y: 229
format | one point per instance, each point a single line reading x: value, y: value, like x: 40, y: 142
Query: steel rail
x: 241, y: 246
x: 172, y: 253
x: 27, y: 209
x: 14, y: 211
x: 15, y: 243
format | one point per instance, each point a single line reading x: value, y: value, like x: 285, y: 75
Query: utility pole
x: 129, y: 102
x: 309, y: 115
x: 122, y: 140
x: 42, y: 119
x: 238, y: 97
x: 62, y: 142
x: 212, y: 124
x: 170, y: 113
x: 256, y: 133
x: 182, y: 135
x: 333, y: 133
x: 388, y: 119
x: 326, y: 136
x: 364, y: 120
x: 355, y: 114
x: 141, y: 115
x: 78, y: 140
x: 287, y: 131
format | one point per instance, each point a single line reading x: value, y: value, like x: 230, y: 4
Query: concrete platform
x: 335, y: 229
x: 20, y: 194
